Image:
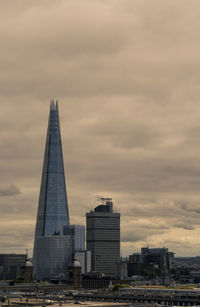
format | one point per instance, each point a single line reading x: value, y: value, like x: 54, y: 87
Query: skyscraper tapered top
x: 53, y: 206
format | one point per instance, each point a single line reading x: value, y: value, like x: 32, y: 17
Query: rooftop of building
x: 54, y: 105
x: 105, y: 207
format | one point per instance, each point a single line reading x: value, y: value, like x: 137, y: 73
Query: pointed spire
x: 52, y: 106
x: 53, y: 206
x: 52, y: 249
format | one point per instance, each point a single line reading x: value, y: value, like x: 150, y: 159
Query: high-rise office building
x: 103, y: 238
x: 52, y: 248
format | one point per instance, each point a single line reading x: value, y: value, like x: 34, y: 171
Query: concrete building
x: 52, y: 248
x: 103, y: 238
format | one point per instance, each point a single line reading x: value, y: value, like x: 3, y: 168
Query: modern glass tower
x: 52, y: 248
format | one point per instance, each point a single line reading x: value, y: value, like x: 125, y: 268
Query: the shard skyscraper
x: 52, y: 248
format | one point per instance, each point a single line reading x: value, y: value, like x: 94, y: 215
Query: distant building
x: 10, y: 266
x: 151, y: 260
x: 135, y: 264
x: 157, y: 256
x: 27, y: 269
x: 84, y: 257
x: 103, y: 238
x: 122, y: 269
x: 135, y: 258
x: 78, y: 234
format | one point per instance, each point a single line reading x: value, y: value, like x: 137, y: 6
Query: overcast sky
x: 127, y: 77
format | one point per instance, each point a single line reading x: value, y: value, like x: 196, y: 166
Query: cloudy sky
x: 127, y: 77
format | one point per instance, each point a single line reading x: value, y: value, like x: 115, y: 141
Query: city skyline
x: 126, y: 74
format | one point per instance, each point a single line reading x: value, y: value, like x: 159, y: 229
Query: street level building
x: 52, y: 248
x: 10, y: 266
x: 103, y: 238
x: 27, y: 269
x: 74, y: 273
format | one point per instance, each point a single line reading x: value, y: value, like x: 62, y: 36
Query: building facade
x: 78, y: 234
x: 27, y: 270
x: 151, y: 261
x: 84, y: 257
x: 52, y: 248
x: 10, y: 266
x: 135, y: 264
x: 75, y: 275
x: 159, y: 257
x: 103, y: 238
x: 122, y: 269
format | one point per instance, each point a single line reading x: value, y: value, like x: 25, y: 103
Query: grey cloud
x: 184, y: 226
x: 17, y: 239
x: 126, y: 74
x: 98, y: 75
x: 189, y: 207
x: 189, y: 227
x: 134, y: 237
x: 140, y: 234
x: 156, y: 227
x: 173, y: 242
x: 11, y: 190
x: 127, y: 135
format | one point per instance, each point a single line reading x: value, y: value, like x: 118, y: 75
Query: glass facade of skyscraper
x: 52, y: 249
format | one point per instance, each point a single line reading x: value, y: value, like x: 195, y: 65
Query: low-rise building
x: 10, y: 266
